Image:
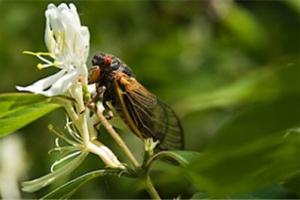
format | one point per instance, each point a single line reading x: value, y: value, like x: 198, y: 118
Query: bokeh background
x: 210, y: 60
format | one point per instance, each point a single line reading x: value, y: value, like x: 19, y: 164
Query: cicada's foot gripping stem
x: 91, y: 105
x: 109, y: 115
x: 95, y: 126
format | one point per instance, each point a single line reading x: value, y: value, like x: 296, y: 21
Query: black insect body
x: 145, y: 115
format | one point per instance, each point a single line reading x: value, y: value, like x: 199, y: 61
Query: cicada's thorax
x: 108, y: 79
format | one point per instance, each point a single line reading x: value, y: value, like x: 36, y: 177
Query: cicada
x: 142, y: 111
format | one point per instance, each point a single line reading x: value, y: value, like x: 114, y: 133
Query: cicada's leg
x: 107, y: 96
x: 95, y: 97
x: 95, y: 126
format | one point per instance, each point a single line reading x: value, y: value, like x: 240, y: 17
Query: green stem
x: 151, y: 189
x: 116, y: 137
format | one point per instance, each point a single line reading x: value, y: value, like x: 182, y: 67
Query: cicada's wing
x: 169, y: 126
x: 147, y: 116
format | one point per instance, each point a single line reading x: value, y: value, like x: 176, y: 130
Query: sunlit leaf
x: 295, y: 4
x: 19, y: 109
x: 267, y: 84
x: 37, y: 184
x: 244, y: 27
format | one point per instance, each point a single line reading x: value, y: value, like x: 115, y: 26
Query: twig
x: 116, y: 137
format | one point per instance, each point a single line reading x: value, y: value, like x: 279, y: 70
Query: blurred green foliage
x: 229, y: 68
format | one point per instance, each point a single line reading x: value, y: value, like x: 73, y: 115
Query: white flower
x: 68, y: 45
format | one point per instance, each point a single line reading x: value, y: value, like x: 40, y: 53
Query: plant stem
x: 151, y: 189
x: 93, y: 146
x: 116, y: 137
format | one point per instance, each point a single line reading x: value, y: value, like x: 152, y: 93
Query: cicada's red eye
x: 107, y: 60
x: 94, y: 74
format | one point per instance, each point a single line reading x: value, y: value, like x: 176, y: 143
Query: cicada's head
x: 101, y: 65
x: 102, y: 60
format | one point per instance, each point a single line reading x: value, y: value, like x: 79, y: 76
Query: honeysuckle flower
x: 67, y: 42
x: 68, y: 45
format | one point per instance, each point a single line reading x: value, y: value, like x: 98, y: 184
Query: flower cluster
x: 68, y: 45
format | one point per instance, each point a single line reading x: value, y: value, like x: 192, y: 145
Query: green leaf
x: 272, y: 192
x: 181, y: 157
x: 201, y: 195
x: 293, y: 184
x: 169, y: 175
x: 37, y: 184
x: 19, y: 109
x: 252, y: 150
x: 295, y: 4
x: 67, y: 190
x: 263, y: 85
x: 244, y: 27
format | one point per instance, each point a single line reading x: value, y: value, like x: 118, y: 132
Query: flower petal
x: 39, y: 86
x: 73, y: 9
x: 49, y: 39
x: 62, y: 85
x: 84, y: 43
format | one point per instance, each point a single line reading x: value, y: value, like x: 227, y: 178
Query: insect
x: 141, y: 110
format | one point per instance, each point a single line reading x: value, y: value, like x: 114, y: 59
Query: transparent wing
x: 150, y: 116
